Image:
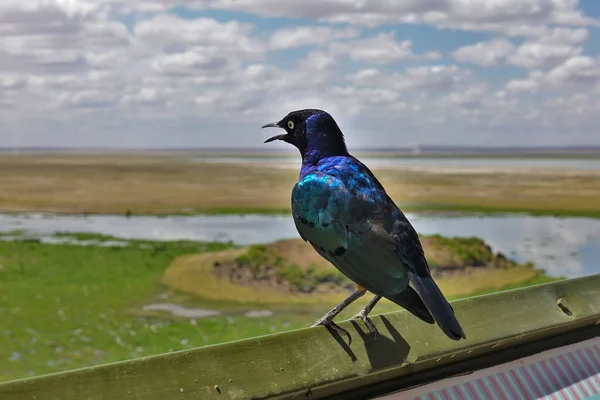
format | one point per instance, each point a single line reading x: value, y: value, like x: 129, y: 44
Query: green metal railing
x: 315, y: 363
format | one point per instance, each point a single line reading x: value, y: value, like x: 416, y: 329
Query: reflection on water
x: 430, y: 162
x: 562, y: 246
x: 258, y: 313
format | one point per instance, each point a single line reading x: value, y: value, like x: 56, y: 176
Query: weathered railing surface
x: 314, y: 363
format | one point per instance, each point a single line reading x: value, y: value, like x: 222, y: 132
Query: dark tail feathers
x: 438, y: 305
x: 410, y: 300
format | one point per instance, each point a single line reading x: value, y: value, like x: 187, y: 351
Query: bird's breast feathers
x: 319, y: 206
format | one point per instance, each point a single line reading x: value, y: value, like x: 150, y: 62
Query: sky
x: 209, y: 73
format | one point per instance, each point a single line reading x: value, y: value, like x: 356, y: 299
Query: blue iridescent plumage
x: 344, y: 212
x: 337, y: 205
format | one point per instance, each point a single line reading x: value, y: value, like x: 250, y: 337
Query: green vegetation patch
x: 68, y: 306
x: 88, y: 236
x: 459, y: 251
x: 293, y: 266
x: 258, y: 263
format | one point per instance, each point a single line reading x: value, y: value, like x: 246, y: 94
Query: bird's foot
x: 363, y: 315
x: 329, y: 323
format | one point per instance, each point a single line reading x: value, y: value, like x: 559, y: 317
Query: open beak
x: 276, y: 137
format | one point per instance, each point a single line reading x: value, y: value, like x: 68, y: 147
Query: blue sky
x: 170, y: 73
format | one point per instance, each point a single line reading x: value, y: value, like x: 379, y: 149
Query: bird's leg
x: 364, y: 315
x: 327, y: 319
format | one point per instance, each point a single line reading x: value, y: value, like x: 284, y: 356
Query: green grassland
x: 166, y: 184
x: 64, y: 306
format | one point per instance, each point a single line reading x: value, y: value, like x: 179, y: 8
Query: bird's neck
x: 323, y: 140
x: 313, y: 154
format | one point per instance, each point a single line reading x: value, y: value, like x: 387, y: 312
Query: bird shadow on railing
x: 382, y: 351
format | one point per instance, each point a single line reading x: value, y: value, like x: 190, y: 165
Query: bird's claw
x: 367, y: 321
x: 340, y: 331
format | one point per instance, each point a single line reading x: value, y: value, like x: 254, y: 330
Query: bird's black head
x: 312, y: 132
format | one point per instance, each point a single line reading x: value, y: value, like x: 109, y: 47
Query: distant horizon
x: 415, y: 150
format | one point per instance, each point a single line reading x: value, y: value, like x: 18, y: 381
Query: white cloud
x: 308, y: 36
x: 12, y: 82
x: 128, y: 72
x: 564, y: 35
x: 579, y: 69
x: 485, y: 54
x: 434, y: 79
x: 63, y: 48
x: 549, y: 49
x: 146, y: 95
x: 578, y: 72
x: 540, y: 55
x: 578, y: 104
x: 470, y: 99
x: 380, y: 49
x: 544, y: 48
x: 530, y: 84
x: 52, y: 42
x: 190, y: 62
x: 172, y: 34
x: 492, y: 15
x: 86, y: 99
x: 69, y: 8
x: 319, y: 61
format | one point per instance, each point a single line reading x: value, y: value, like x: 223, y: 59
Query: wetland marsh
x: 107, y: 257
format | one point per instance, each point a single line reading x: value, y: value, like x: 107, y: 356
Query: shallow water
x: 562, y: 246
x: 195, y: 313
x: 181, y: 311
x: 432, y: 162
